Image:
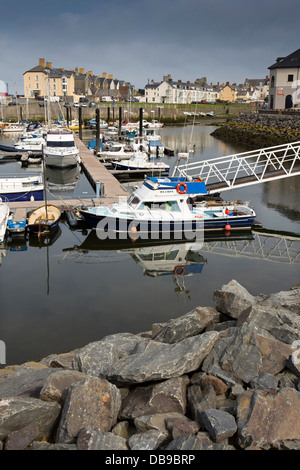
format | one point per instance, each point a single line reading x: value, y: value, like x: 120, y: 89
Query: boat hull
x: 120, y: 166
x: 31, y: 195
x: 37, y: 222
x: 61, y: 161
x: 109, y: 226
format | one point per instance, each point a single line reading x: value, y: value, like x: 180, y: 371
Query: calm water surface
x: 75, y: 289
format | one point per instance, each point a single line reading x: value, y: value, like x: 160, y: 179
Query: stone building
x: 284, y: 91
x: 44, y: 80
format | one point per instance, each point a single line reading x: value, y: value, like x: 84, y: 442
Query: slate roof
x: 290, y: 61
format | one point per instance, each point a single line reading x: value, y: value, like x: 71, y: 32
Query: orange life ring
x: 181, y: 191
x: 181, y: 269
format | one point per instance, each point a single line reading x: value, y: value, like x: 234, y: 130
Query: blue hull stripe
x: 122, y: 225
x: 38, y: 196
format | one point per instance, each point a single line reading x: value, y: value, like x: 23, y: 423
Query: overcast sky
x: 141, y: 40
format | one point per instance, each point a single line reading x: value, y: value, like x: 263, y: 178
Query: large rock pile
x: 216, y: 378
x: 260, y: 130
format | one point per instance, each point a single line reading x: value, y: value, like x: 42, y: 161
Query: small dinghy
x: 44, y: 219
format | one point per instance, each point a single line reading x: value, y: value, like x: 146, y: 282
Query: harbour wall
x: 260, y: 130
x: 164, y: 113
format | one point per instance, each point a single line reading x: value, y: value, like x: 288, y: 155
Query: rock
x: 164, y: 397
x: 219, y: 424
x: 268, y: 418
x: 35, y: 417
x: 161, y: 361
x: 191, y: 324
x: 149, y: 440
x: 280, y: 323
x: 186, y: 376
x: 293, y: 362
x: 90, y: 439
x: 124, y: 429
x: 56, y: 386
x: 98, y: 358
x: 185, y: 442
x: 181, y: 425
x: 264, y: 381
x: 156, y: 422
x: 94, y: 402
x: 233, y: 299
x: 288, y: 299
x: 60, y: 361
x: 218, y: 385
x: 200, y: 400
x: 22, y: 438
x: 192, y: 442
x: 48, y: 446
x: 25, y: 382
x: 245, y: 352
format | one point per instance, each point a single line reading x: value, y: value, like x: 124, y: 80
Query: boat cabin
x: 169, y: 194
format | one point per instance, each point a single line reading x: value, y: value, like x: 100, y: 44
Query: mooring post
x: 141, y: 121
x: 120, y: 120
x: 80, y: 122
x: 108, y: 114
x: 68, y: 116
x: 97, y: 130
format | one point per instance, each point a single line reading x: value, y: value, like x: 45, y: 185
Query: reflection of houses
x: 284, y: 90
x: 45, y: 80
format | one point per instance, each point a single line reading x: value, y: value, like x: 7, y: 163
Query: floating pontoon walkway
x: 247, y: 168
x: 97, y: 173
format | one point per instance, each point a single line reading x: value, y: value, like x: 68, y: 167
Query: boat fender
x: 227, y: 228
x: 179, y: 270
x: 181, y: 191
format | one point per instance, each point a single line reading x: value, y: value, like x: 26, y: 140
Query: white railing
x: 246, y: 168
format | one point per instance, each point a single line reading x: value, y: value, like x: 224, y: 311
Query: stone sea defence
x: 224, y: 377
x: 260, y: 130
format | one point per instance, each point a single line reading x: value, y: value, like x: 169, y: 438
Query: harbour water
x: 60, y: 295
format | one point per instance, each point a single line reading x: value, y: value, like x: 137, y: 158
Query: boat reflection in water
x: 65, y: 179
x: 178, y: 258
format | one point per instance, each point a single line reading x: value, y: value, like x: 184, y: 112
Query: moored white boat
x: 141, y: 161
x: 30, y: 144
x: 154, y: 124
x: 22, y: 188
x: 4, y: 214
x: 60, y: 149
x: 116, y: 151
x: 12, y: 127
x: 167, y: 207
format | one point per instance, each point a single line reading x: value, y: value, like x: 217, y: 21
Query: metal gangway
x: 244, y: 169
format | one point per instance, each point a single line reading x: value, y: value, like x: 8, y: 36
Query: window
x: 290, y: 78
x: 36, y: 77
x: 133, y: 200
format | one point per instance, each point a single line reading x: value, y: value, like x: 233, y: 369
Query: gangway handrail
x: 254, y: 166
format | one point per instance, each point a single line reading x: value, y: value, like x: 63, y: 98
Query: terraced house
x: 284, y: 92
x: 44, y: 80
x: 179, y: 92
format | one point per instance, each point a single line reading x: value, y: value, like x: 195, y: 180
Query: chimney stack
x: 42, y: 62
